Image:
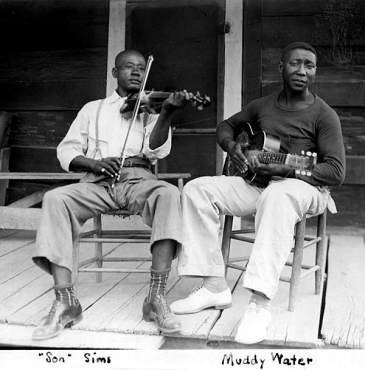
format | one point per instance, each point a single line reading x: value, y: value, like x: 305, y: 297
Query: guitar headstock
x: 199, y: 101
x: 305, y: 163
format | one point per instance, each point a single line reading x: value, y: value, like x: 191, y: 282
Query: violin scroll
x: 200, y: 102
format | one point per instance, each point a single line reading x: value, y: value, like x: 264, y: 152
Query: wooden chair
x: 301, y: 242
x: 98, y: 236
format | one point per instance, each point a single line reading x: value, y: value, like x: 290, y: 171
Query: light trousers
x: 66, y: 209
x: 277, y: 209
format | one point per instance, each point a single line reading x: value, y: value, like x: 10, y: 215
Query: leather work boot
x: 60, y: 316
x: 159, y: 311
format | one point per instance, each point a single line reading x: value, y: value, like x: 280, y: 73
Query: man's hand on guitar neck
x: 272, y: 169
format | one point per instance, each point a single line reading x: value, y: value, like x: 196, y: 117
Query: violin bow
x: 134, y: 116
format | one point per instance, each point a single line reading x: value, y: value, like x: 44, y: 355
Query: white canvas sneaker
x: 254, y: 324
x: 201, y: 298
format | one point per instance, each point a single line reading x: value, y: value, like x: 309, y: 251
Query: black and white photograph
x: 182, y: 184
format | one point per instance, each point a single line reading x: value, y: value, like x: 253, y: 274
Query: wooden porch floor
x: 113, y: 308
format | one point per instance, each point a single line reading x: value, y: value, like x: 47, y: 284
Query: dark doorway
x: 183, y: 38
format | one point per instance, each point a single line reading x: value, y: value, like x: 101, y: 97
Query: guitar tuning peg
x: 309, y: 173
x: 302, y: 152
x: 297, y: 172
x: 304, y: 173
x: 314, y: 154
x: 309, y: 154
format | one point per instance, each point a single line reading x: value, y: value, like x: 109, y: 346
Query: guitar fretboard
x: 272, y: 158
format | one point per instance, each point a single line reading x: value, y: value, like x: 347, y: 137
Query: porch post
x: 116, y: 39
x: 232, y: 94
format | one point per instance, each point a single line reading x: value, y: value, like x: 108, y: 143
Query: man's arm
x: 160, y: 132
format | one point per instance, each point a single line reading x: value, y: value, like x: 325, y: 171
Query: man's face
x: 129, y: 72
x: 298, y: 69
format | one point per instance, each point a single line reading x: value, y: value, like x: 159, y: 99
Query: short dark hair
x: 125, y: 52
x: 297, y: 45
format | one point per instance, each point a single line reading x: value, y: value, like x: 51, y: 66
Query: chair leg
x: 75, y: 267
x: 226, y: 239
x: 297, y: 263
x: 320, y: 250
x: 98, y: 248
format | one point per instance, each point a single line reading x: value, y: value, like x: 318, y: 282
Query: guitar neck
x: 269, y: 157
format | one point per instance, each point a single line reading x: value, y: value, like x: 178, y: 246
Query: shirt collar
x: 115, y: 97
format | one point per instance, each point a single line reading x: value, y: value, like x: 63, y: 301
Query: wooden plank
x: 70, y: 64
x: 42, y: 175
x: 18, y: 335
x: 281, y: 31
x: 43, y: 95
x: 34, y: 159
x: 293, y: 7
x: 12, y: 240
x: 18, y: 261
x: 252, y: 50
x: 20, y: 218
x: 344, y: 319
x: 38, y: 304
x: 129, y: 319
x: 4, y: 167
x: 355, y: 174
x: 41, y: 128
x: 350, y: 201
x: 119, y: 296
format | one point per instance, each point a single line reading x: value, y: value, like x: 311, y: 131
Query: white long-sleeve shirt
x: 112, y: 130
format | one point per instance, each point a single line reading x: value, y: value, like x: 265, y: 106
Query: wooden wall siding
x: 52, y: 79
x: 30, y: 25
x: 252, y: 50
x: 53, y: 60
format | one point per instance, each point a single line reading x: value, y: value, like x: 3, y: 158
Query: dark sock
x: 158, y: 283
x: 215, y: 284
x: 65, y: 294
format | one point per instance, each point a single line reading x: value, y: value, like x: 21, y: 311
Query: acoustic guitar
x: 266, y: 148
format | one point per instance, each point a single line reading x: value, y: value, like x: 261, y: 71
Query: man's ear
x: 114, y: 72
x: 280, y: 67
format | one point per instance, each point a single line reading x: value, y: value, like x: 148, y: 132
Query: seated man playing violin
x: 94, y: 144
x: 302, y: 121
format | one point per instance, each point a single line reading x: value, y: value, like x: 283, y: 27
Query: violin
x: 151, y: 101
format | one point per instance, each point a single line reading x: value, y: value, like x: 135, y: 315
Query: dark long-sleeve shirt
x: 316, y: 128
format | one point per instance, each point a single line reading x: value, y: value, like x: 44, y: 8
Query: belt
x: 137, y: 162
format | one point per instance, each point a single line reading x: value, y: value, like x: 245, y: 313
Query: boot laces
x: 165, y: 306
x: 49, y: 318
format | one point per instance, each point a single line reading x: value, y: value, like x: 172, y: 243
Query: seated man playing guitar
x: 280, y: 191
